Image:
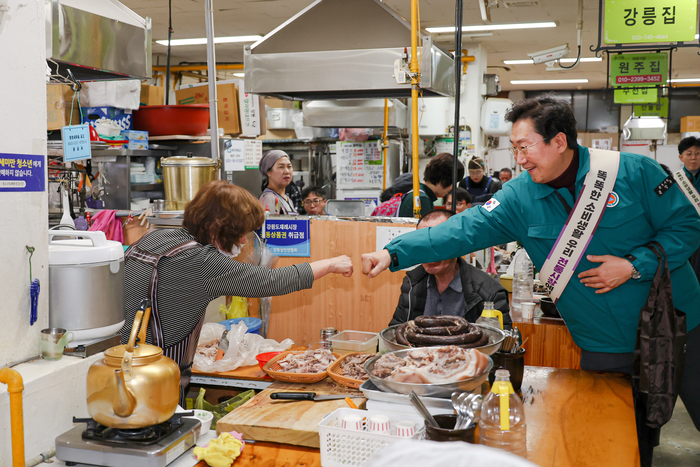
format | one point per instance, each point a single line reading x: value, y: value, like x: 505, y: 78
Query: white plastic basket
x: 343, y: 448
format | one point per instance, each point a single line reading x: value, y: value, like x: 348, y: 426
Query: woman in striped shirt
x: 182, y: 270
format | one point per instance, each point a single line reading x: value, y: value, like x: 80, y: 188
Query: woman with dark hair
x: 277, y: 171
x: 480, y: 187
x: 182, y: 270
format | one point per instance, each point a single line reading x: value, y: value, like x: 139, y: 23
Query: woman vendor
x: 277, y: 171
x: 480, y: 187
x: 182, y: 270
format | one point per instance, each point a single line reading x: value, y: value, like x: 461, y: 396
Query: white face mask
x: 235, y: 251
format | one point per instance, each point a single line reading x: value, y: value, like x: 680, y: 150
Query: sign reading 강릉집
x: 647, y: 69
x: 649, y: 21
x: 636, y: 96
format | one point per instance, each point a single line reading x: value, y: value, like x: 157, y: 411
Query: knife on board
x: 308, y: 396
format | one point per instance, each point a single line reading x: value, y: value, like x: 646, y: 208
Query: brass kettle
x: 134, y: 385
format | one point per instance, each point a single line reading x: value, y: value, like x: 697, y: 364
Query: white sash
x: 686, y: 185
x: 582, y: 222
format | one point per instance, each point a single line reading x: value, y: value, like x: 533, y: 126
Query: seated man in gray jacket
x: 449, y: 287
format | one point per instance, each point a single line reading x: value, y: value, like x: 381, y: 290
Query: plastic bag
x: 237, y: 309
x: 241, y: 351
x: 220, y: 410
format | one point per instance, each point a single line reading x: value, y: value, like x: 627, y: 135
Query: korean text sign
x: 22, y: 172
x: 288, y: 237
x: 649, y: 21
x: 647, y: 69
x: 635, y: 95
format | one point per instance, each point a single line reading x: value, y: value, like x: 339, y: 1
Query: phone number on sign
x: 638, y: 79
x: 649, y: 36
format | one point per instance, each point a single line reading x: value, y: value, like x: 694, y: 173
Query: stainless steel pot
x: 184, y: 176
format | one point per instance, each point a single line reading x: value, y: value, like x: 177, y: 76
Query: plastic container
x: 205, y: 417
x: 165, y: 120
x: 253, y: 324
x: 490, y: 316
x: 355, y: 341
x: 523, y: 281
x: 507, y: 430
x: 349, y: 448
x: 263, y: 358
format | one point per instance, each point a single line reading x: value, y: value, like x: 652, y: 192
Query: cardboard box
x: 137, y: 139
x: 690, y: 124
x: 152, y: 95
x: 278, y: 134
x: 59, y: 98
x: 274, y: 103
x: 122, y: 117
x: 227, y: 95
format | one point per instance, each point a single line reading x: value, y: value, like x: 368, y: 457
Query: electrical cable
x: 167, y: 65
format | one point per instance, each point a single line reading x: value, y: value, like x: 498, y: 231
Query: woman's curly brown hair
x: 221, y: 213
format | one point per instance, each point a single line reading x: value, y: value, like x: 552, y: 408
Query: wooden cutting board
x: 264, y: 419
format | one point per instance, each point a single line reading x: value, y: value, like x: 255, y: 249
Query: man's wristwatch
x: 636, y: 275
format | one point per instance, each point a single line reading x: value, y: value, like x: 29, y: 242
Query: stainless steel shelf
x: 146, y: 187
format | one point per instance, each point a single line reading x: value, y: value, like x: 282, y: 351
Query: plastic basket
x: 273, y: 370
x: 343, y: 448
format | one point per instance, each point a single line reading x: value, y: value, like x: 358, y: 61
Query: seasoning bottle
x: 491, y: 316
x: 502, y: 423
x: 326, y: 334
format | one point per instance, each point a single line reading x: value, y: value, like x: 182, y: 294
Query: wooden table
x: 575, y: 418
x: 550, y: 342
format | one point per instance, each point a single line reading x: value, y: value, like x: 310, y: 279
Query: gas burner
x: 144, y: 436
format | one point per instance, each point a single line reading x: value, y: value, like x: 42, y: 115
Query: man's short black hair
x: 462, y: 195
x: 550, y: 116
x: 315, y: 190
x: 435, y: 214
x: 439, y: 170
x: 687, y: 143
x: 506, y: 170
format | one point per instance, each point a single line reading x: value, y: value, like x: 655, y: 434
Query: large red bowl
x: 166, y: 120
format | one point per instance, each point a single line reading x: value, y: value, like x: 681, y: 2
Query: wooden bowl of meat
x: 350, y: 370
x: 429, y: 331
x: 306, y: 366
x: 429, y: 371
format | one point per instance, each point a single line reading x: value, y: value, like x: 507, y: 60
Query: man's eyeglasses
x: 312, y: 202
x: 523, y: 150
x: 476, y: 172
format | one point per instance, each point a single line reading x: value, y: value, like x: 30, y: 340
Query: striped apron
x: 182, y: 352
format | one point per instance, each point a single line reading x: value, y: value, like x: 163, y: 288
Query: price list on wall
x: 360, y: 164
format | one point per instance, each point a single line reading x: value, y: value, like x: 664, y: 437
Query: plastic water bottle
x: 523, y: 281
x: 491, y: 316
x: 502, y: 423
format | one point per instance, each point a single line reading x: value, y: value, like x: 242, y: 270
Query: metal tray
x: 372, y: 392
x: 443, y: 390
x: 496, y: 337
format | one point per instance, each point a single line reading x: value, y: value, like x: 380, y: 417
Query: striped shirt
x: 188, y: 281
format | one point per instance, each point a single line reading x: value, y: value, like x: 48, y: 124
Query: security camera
x: 549, y: 55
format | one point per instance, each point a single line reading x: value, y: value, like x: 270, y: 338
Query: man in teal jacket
x: 689, y: 154
x: 602, y: 301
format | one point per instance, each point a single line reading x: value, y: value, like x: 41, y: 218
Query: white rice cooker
x: 86, y: 284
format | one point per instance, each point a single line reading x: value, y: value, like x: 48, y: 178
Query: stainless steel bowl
x: 496, y: 336
x: 443, y: 390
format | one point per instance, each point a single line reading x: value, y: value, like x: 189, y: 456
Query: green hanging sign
x: 636, y: 96
x: 639, y: 69
x: 653, y: 110
x: 649, y: 21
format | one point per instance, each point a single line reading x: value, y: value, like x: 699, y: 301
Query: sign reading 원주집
x: 649, y: 69
x: 649, y: 21
x: 288, y: 237
x: 636, y: 96
x: 22, y: 172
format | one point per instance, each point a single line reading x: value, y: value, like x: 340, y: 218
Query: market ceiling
x: 249, y: 17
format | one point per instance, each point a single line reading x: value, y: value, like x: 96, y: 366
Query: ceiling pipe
x: 211, y: 72
x: 415, y: 86
x: 15, y: 387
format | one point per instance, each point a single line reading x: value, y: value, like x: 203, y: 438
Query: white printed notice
x: 253, y: 153
x: 360, y: 165
x: 234, y: 155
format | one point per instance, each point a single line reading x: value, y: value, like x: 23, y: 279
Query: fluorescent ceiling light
x: 217, y: 40
x: 684, y: 80
x: 563, y: 60
x: 548, y: 81
x: 494, y: 27
x: 239, y: 74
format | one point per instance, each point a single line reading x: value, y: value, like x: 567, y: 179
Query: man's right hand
x: 374, y: 263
